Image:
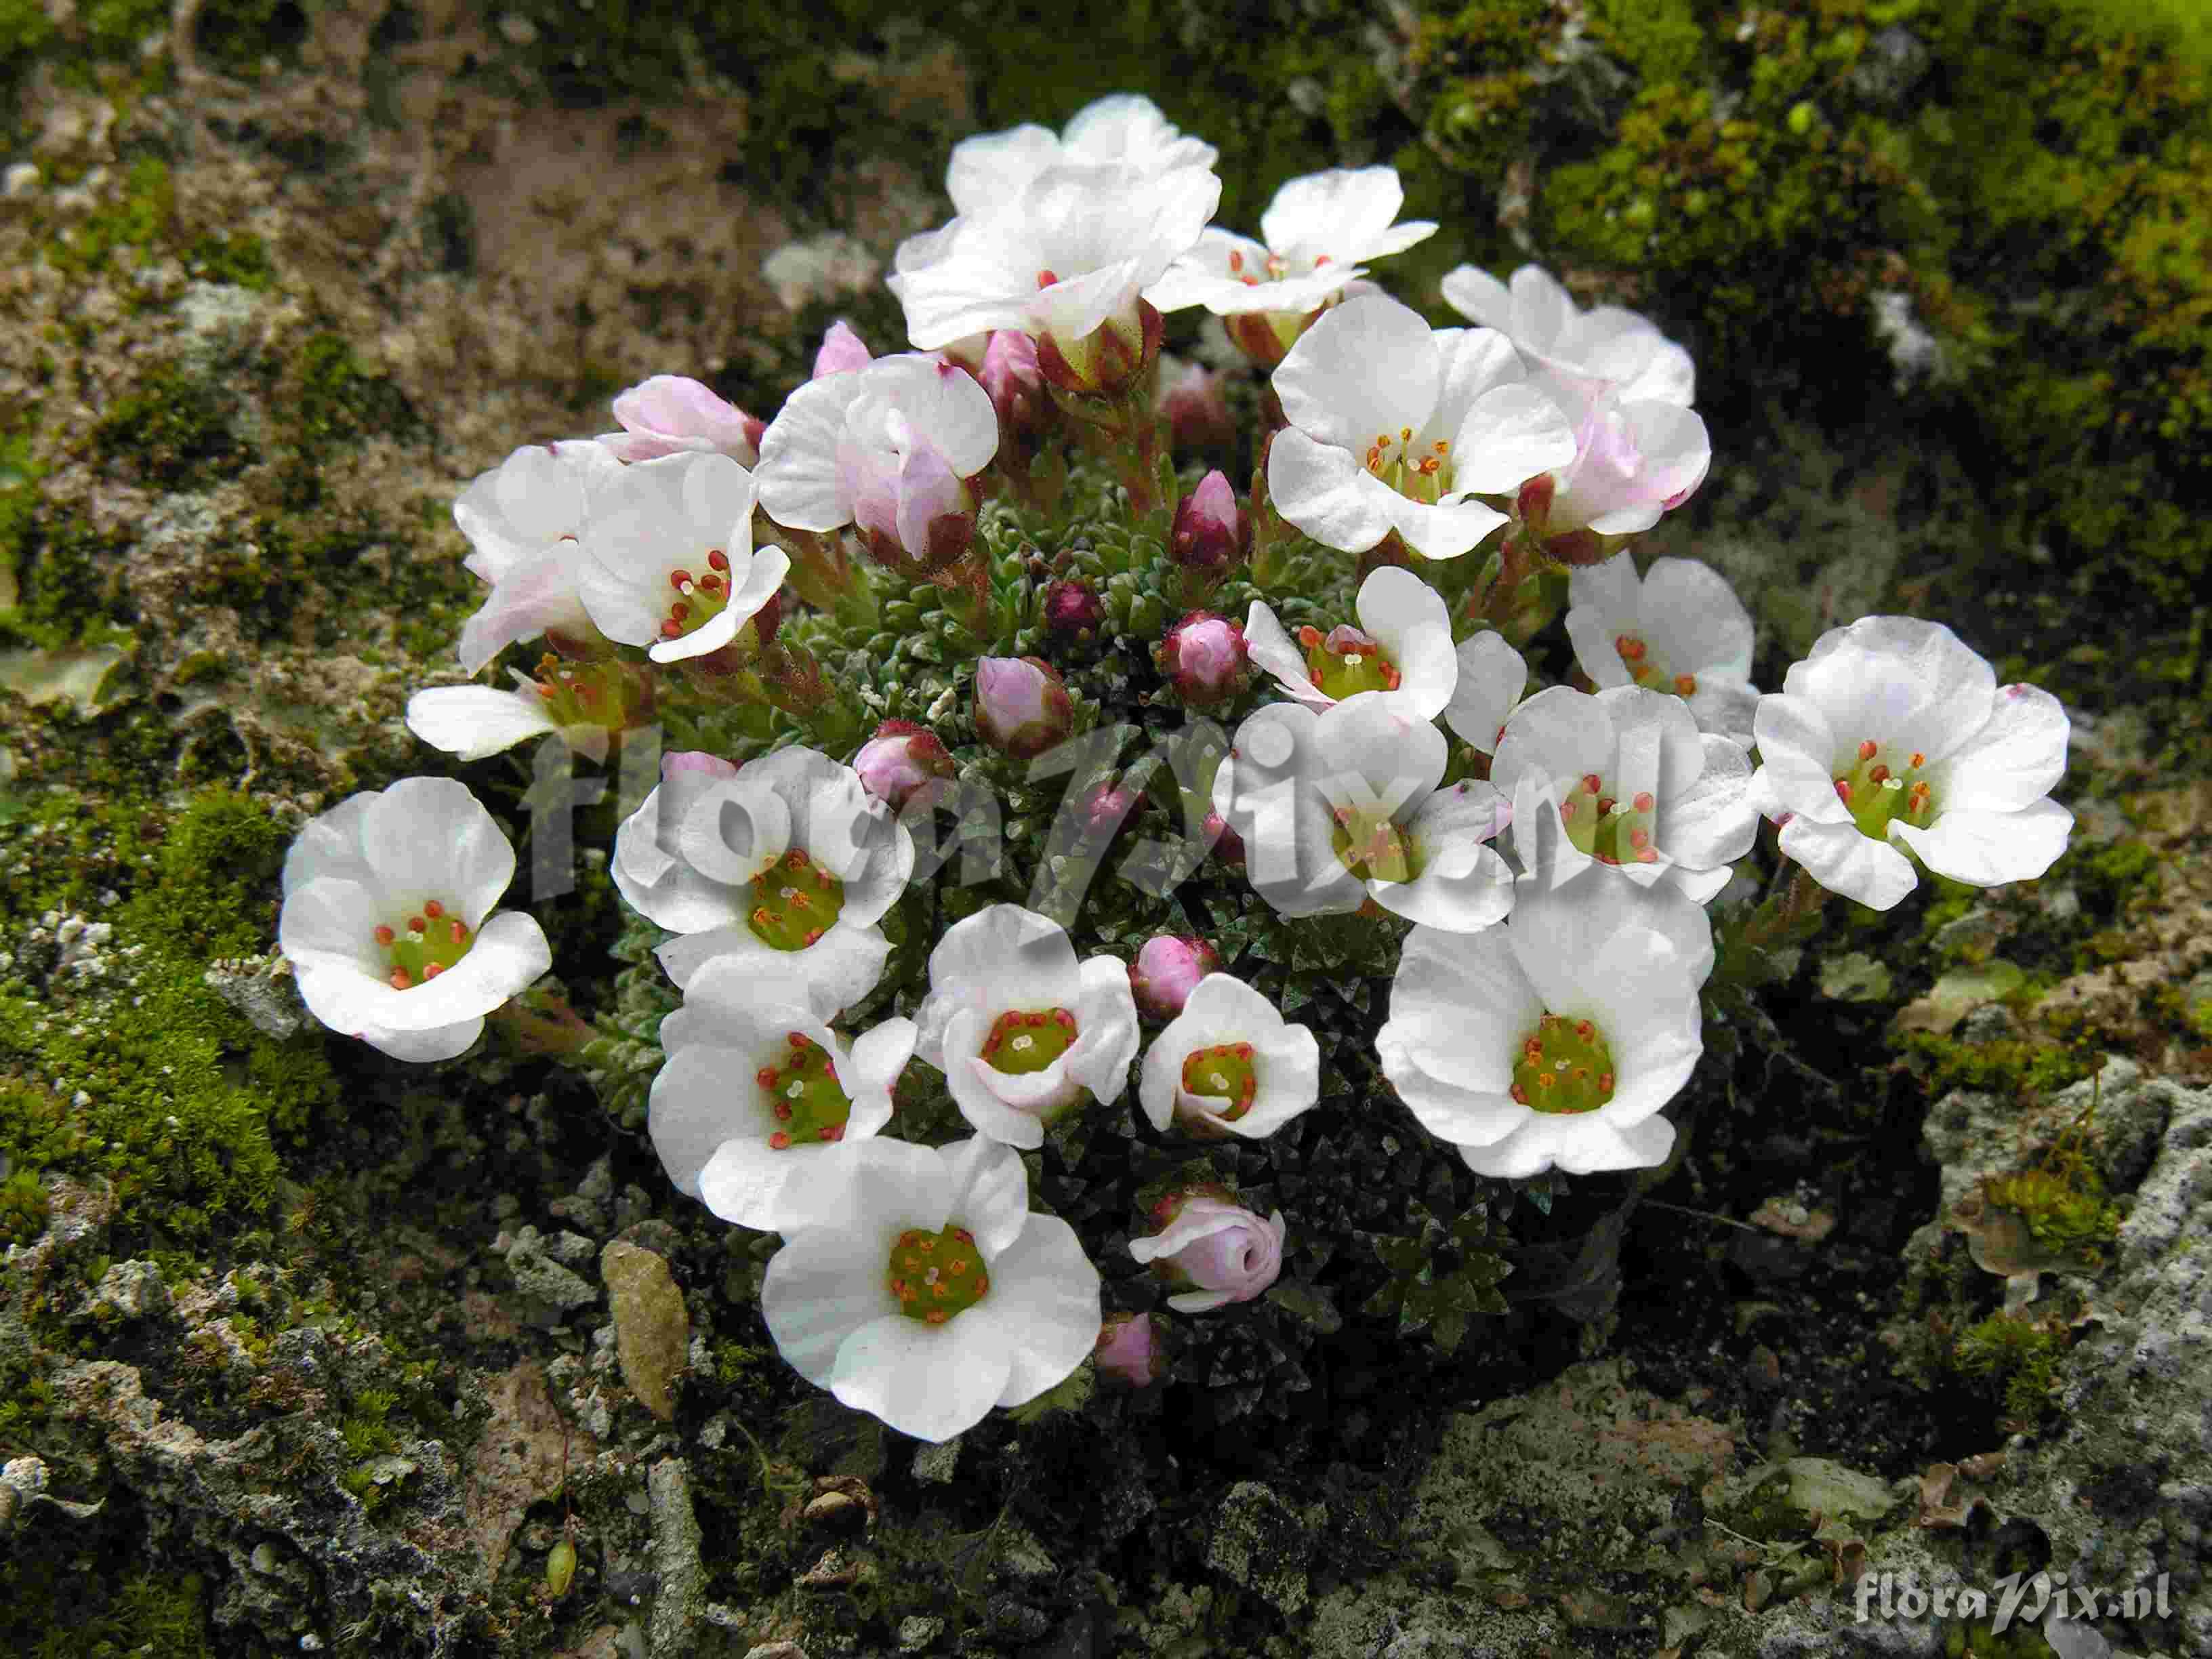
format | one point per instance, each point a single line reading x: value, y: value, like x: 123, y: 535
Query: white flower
x: 1579, y: 355
x: 669, y: 414
x: 1634, y: 783
x: 786, y: 863
x: 669, y: 560
x: 1402, y: 648
x: 889, y: 446
x: 1058, y: 258
x: 1492, y: 676
x: 388, y: 923
x: 1225, y: 1252
x: 757, y: 1092
x: 522, y: 520
x: 1397, y: 426
x: 1313, y: 237
x: 1124, y: 129
x: 581, y: 702
x: 1230, y: 1063
x: 1557, y: 1038
x: 930, y: 1294
x: 1341, y: 806
x: 1632, y: 464
x: 1894, y: 734
x: 1680, y: 627
x: 1020, y: 1029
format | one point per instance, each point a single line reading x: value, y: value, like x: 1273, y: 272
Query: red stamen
x: 434, y: 910
x: 718, y: 560
x: 385, y: 936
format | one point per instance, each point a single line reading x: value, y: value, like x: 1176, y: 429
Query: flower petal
x: 1990, y: 849
x: 1370, y: 366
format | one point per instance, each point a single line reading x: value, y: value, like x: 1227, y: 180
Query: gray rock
x: 132, y: 1289
x: 682, y: 1593
x: 545, y: 1280
x: 933, y: 1465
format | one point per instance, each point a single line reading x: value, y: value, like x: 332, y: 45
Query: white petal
x: 879, y: 1055
x: 1326, y: 492
x: 1269, y: 646
x: 1460, y: 885
x: 2016, y: 759
x: 1372, y: 757
x: 990, y: 1191
x: 932, y: 1382
x: 1843, y: 861
x: 1002, y: 957
x: 1344, y: 213
x: 429, y: 838
x: 1369, y: 367
x: 438, y: 1042
x: 1511, y: 434
x: 1407, y: 617
x: 1694, y: 620
x: 1899, y: 681
x: 1479, y: 297
x: 1106, y: 1035
x: 1799, y: 759
x: 1044, y: 1298
x: 1492, y: 676
x: 473, y: 721
x: 1990, y: 849
x: 826, y: 1283
x: 704, y: 1096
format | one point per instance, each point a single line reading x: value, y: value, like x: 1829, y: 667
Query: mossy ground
x: 251, y: 509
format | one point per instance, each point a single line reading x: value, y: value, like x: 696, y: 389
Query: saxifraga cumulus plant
x: 940, y: 676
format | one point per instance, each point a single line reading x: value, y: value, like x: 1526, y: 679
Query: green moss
x: 144, y: 1077
x: 115, y: 27
x: 242, y: 261
x: 69, y: 1616
x: 2018, y: 1357
x: 174, y: 432
x: 23, y: 1208
x: 2006, y: 1066
x: 133, y: 223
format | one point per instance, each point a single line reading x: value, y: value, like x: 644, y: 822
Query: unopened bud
x: 1107, y: 361
x: 1168, y: 969
x: 842, y: 351
x: 900, y: 759
x: 1195, y: 408
x: 1022, y: 707
x: 1210, y: 533
x: 1131, y: 1349
x: 1010, y: 375
x: 1205, y: 659
x: 1073, y: 609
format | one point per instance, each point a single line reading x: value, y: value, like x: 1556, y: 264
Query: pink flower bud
x: 1022, y: 707
x: 1010, y: 375
x: 1210, y: 533
x: 1131, y: 1347
x: 1216, y: 1250
x: 1073, y: 609
x: 900, y: 759
x: 1205, y: 659
x: 1105, y: 809
x: 842, y: 351
x: 1167, y: 969
x: 669, y: 414
x: 1195, y: 407
x: 1228, y: 845
x: 696, y: 760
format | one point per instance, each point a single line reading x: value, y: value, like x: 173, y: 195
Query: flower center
x: 1609, y: 830
x: 937, y: 1275
x: 698, y: 599
x: 809, y: 1103
x: 1882, y: 788
x: 581, y: 694
x: 1022, y: 1043
x: 796, y: 902
x: 1564, y: 1066
x: 1647, y: 670
x: 1346, y: 662
x: 424, y: 944
x: 1224, y: 1072
x: 1371, y: 848
x: 1420, y: 472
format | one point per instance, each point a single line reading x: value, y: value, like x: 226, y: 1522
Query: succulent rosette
x: 388, y: 918
x: 1229, y: 1064
x: 1555, y: 1040
x: 1401, y: 648
x: 1395, y: 427
x: 1339, y: 806
x: 1020, y: 1027
x: 1895, y: 737
x: 786, y: 863
x: 756, y: 1091
x: 1678, y: 627
x: 926, y: 1293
